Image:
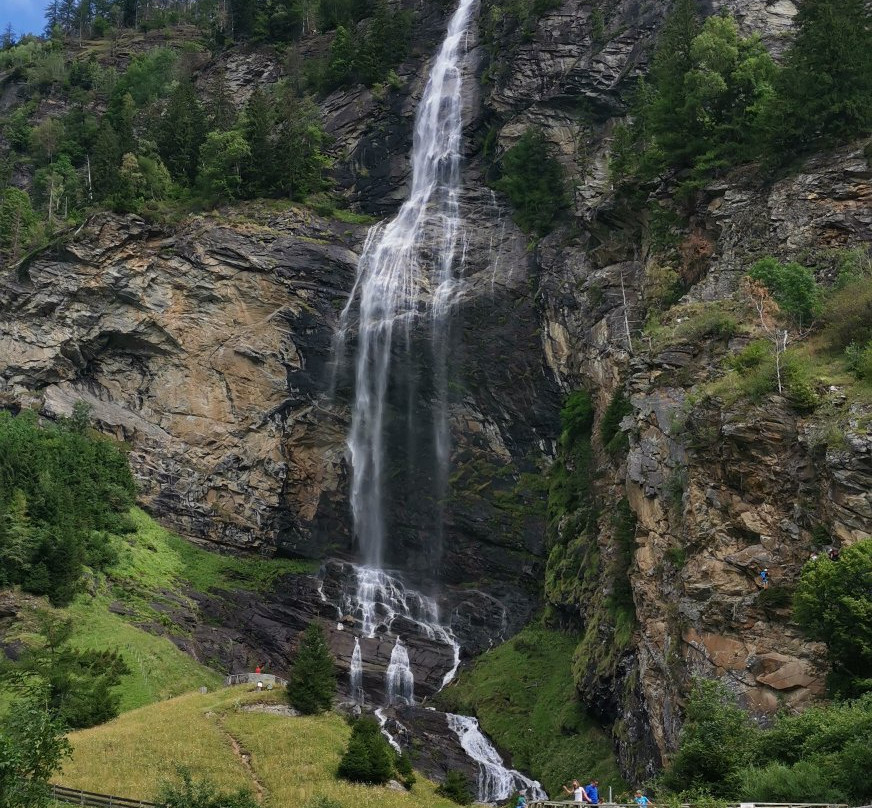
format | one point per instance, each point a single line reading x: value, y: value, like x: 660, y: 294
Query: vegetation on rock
x: 456, y: 788
x: 533, y: 181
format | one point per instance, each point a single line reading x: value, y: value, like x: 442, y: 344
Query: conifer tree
x: 181, y: 132
x: 667, y: 111
x: 313, y: 678
x: 825, y: 91
x: 369, y: 758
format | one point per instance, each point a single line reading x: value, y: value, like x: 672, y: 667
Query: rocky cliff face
x: 207, y: 347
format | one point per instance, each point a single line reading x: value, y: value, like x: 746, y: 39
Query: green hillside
x: 290, y: 758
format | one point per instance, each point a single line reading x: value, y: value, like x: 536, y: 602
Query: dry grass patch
x: 131, y: 755
x: 293, y: 758
x: 296, y: 759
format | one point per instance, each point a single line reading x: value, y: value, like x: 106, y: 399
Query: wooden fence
x: 75, y: 796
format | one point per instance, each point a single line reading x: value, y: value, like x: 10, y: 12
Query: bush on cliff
x: 312, y: 682
x: 833, y: 603
x: 533, y: 181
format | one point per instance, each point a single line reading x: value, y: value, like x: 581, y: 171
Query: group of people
x: 589, y: 794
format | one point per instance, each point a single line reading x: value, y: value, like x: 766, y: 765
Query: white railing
x: 605, y: 804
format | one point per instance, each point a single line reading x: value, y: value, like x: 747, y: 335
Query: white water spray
x: 495, y: 782
x: 356, y: 674
x: 399, y: 679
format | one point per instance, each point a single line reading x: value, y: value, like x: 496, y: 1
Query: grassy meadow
x: 292, y: 758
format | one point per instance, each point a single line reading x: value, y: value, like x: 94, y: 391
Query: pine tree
x: 313, y: 678
x: 104, y: 158
x: 181, y: 132
x: 17, y: 221
x: 667, y: 110
x: 826, y: 87
x: 258, y: 123
x: 369, y: 758
x: 533, y: 181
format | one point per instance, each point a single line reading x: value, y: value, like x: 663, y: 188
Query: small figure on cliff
x: 257, y: 669
x: 641, y: 800
x: 833, y: 553
x: 578, y: 793
x: 592, y: 792
x: 764, y: 578
x: 522, y: 800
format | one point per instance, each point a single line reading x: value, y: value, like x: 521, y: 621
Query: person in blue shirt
x: 642, y: 801
x: 592, y: 792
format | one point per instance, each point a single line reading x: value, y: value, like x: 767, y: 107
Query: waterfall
x: 410, y: 271
x: 409, y: 267
x: 356, y: 674
x: 399, y: 679
x: 495, y: 782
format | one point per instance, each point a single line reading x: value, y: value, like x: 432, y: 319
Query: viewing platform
x: 268, y: 680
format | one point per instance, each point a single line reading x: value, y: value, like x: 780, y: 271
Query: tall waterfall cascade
x: 410, y: 275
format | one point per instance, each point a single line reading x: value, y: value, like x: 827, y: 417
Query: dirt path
x: 245, y: 758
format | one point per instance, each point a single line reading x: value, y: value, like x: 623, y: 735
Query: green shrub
x: 533, y: 182
x: 312, y: 681
x: 859, y: 359
x: 613, y: 438
x: 847, y: 314
x: 832, y: 603
x: 798, y: 383
x: 777, y: 782
x: 716, y: 741
x: 752, y: 356
x: 368, y: 758
x: 186, y: 792
x: 32, y: 748
x: 456, y: 788
x: 678, y: 556
x: 791, y: 285
x: 62, y: 493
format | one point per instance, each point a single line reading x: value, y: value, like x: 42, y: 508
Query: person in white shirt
x: 578, y: 794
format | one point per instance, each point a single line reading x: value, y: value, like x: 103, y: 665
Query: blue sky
x: 26, y: 16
